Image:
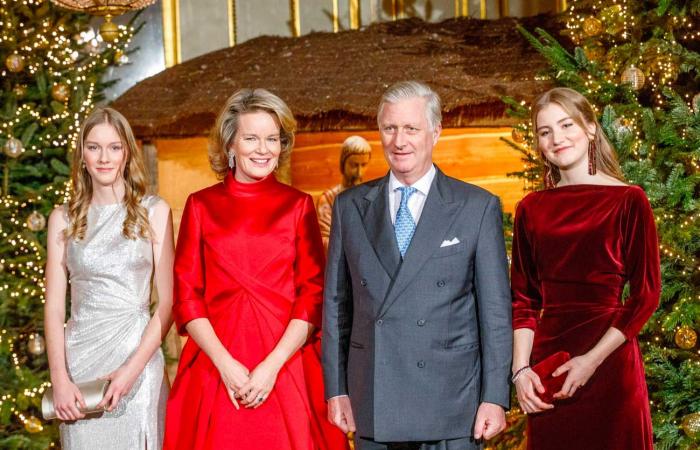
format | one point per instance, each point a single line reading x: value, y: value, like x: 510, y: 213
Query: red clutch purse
x: 544, y: 370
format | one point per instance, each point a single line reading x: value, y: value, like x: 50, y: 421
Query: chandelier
x: 107, y: 8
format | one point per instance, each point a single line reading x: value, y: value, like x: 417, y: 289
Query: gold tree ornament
x: 518, y: 136
x: 594, y: 52
x: 107, y: 8
x: 633, y: 76
x: 20, y: 90
x: 685, y: 338
x: 33, y: 425
x: 691, y: 425
x: 36, y: 221
x: 60, y: 92
x: 36, y: 344
x: 13, y: 147
x: 592, y: 26
x: 14, y: 63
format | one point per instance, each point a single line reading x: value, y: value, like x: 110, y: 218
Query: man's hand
x: 340, y: 413
x: 490, y: 420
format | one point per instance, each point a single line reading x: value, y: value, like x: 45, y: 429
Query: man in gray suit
x: 417, y: 336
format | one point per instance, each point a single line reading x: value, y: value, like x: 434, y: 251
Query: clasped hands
x: 580, y: 369
x: 247, y: 388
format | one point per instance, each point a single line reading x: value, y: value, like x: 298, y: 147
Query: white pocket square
x: 446, y: 243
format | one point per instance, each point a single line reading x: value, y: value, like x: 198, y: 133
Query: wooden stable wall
x: 475, y: 155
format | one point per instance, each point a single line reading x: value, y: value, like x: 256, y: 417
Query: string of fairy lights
x: 62, y: 65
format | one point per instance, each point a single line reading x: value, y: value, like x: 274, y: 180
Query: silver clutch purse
x: 93, y: 392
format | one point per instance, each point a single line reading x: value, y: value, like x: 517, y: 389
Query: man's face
x: 354, y: 168
x: 407, y: 138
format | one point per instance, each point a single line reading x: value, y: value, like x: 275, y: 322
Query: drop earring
x: 548, y: 177
x: 231, y: 160
x: 592, y: 155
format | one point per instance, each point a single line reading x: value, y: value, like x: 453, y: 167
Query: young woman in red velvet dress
x: 248, y: 292
x: 576, y: 245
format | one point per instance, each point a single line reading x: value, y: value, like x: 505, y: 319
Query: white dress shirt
x: 416, y: 201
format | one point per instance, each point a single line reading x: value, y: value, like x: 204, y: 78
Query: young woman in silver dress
x: 108, y: 242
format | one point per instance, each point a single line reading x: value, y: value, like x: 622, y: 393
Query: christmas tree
x: 53, y: 64
x: 638, y: 63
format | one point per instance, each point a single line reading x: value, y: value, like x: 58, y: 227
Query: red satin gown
x: 574, y: 248
x: 249, y: 258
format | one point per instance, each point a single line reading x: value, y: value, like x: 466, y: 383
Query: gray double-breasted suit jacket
x: 417, y: 344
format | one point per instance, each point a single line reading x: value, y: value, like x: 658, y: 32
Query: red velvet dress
x: 574, y: 248
x: 249, y: 258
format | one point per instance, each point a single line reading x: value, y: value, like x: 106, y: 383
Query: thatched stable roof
x: 333, y: 81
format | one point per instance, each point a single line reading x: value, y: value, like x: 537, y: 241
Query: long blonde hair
x: 583, y: 114
x: 247, y: 101
x: 136, y: 223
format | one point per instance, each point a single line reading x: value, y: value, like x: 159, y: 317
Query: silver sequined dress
x: 110, y: 278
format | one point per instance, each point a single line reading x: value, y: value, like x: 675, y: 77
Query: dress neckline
x: 246, y: 189
x: 589, y: 186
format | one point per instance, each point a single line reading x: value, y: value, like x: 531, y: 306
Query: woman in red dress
x: 248, y: 292
x: 575, y: 246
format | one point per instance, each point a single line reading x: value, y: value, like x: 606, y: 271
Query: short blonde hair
x: 247, y: 101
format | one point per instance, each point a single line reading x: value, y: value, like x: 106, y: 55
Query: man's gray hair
x: 404, y: 90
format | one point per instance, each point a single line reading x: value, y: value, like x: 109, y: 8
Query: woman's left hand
x: 260, y: 383
x: 120, y: 383
x: 580, y: 369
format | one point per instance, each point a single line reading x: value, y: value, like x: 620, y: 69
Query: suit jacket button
x: 421, y: 364
x: 363, y: 282
x: 420, y: 322
x: 380, y: 321
x: 441, y: 283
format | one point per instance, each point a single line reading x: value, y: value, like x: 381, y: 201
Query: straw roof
x: 333, y: 81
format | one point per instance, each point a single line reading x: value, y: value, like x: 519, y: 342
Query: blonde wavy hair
x: 583, y: 114
x: 136, y: 223
x: 247, y: 101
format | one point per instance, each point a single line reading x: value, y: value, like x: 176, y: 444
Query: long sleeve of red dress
x: 527, y: 300
x: 188, y: 289
x: 641, y: 256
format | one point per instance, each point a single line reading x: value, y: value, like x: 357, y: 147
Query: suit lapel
x: 435, y: 220
x: 374, y: 209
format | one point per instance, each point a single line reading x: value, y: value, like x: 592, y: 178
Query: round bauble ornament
x: 518, y: 136
x: 634, y: 76
x: 36, y: 221
x: 13, y: 147
x: 592, y: 26
x: 14, y: 63
x: 36, y: 344
x: 691, y: 425
x: 109, y: 30
x: 20, y: 90
x: 594, y: 52
x: 2, y: 267
x: 60, y: 92
x: 33, y: 425
x: 685, y: 338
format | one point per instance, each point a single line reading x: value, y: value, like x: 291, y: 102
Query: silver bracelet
x: 518, y: 373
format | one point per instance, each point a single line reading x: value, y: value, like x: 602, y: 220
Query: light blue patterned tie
x: 404, y: 226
